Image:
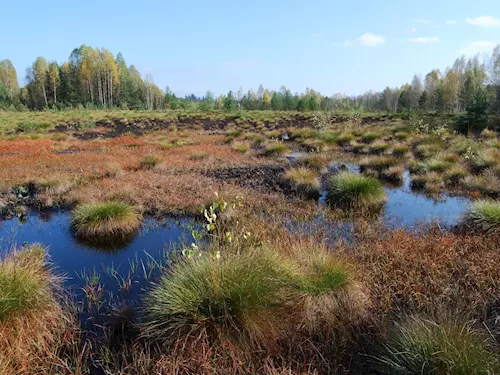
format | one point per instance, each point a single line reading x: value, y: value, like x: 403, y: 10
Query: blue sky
x: 193, y: 46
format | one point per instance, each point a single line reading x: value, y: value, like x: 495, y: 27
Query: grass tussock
x: 240, y: 298
x: 316, y: 162
x: 276, y: 149
x: 24, y: 283
x: 105, y: 219
x: 37, y: 336
x: 421, y: 346
x: 484, y: 216
x: 349, y: 190
x: 241, y: 147
x: 304, y: 180
x: 149, y: 161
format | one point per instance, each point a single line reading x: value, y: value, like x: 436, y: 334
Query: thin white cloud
x: 421, y: 20
x: 476, y: 47
x: 413, y: 30
x: 317, y: 36
x: 347, y: 43
x: 484, y: 21
x: 450, y: 22
x: 424, y: 40
x: 371, y: 40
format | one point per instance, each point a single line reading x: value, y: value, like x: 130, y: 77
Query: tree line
x: 95, y: 78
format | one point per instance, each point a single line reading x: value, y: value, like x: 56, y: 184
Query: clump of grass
x: 425, y: 347
x: 241, y: 147
x: 488, y: 134
x: 113, y: 170
x: 379, y: 147
x: 393, y: 174
x: 328, y: 138
x: 354, y: 191
x: 32, y: 127
x: 199, y: 155
x: 358, y: 148
x: 275, y: 149
x: 316, y: 162
x: 401, y: 135
x: 484, y: 160
x: 379, y: 163
x: 149, y: 161
x: 345, y: 138
x: 37, y: 336
x: 332, y: 299
x: 60, y: 137
x: 450, y: 157
x: 305, y: 180
x: 370, y: 137
x: 484, y: 216
x: 463, y: 146
x: 98, y: 220
x: 400, y: 150
x: 427, y: 150
x: 436, y: 165
x: 25, y: 284
x: 233, y: 133
x: 430, y: 181
x: 237, y: 298
x: 454, y: 175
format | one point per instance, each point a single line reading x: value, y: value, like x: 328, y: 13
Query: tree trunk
x: 45, y: 95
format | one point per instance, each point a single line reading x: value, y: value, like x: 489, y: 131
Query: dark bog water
x: 117, y: 275
x: 406, y: 208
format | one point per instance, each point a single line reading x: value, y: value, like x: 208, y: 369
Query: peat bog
x: 257, y: 243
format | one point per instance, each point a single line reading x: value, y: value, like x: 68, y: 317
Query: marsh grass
x: 241, y: 147
x: 317, y: 162
x: 198, y: 155
x: 369, y: 137
x: 98, y: 220
x: 379, y: 163
x: 37, y: 335
x: 305, y: 181
x: 484, y: 216
x: 378, y: 147
x: 149, y: 161
x: 238, y: 298
x: 421, y: 346
x: 350, y: 190
x: 483, y: 160
x: 24, y: 283
x: 436, y: 165
x: 276, y: 149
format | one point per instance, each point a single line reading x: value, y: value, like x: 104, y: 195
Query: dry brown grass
x: 43, y: 338
x: 428, y: 272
